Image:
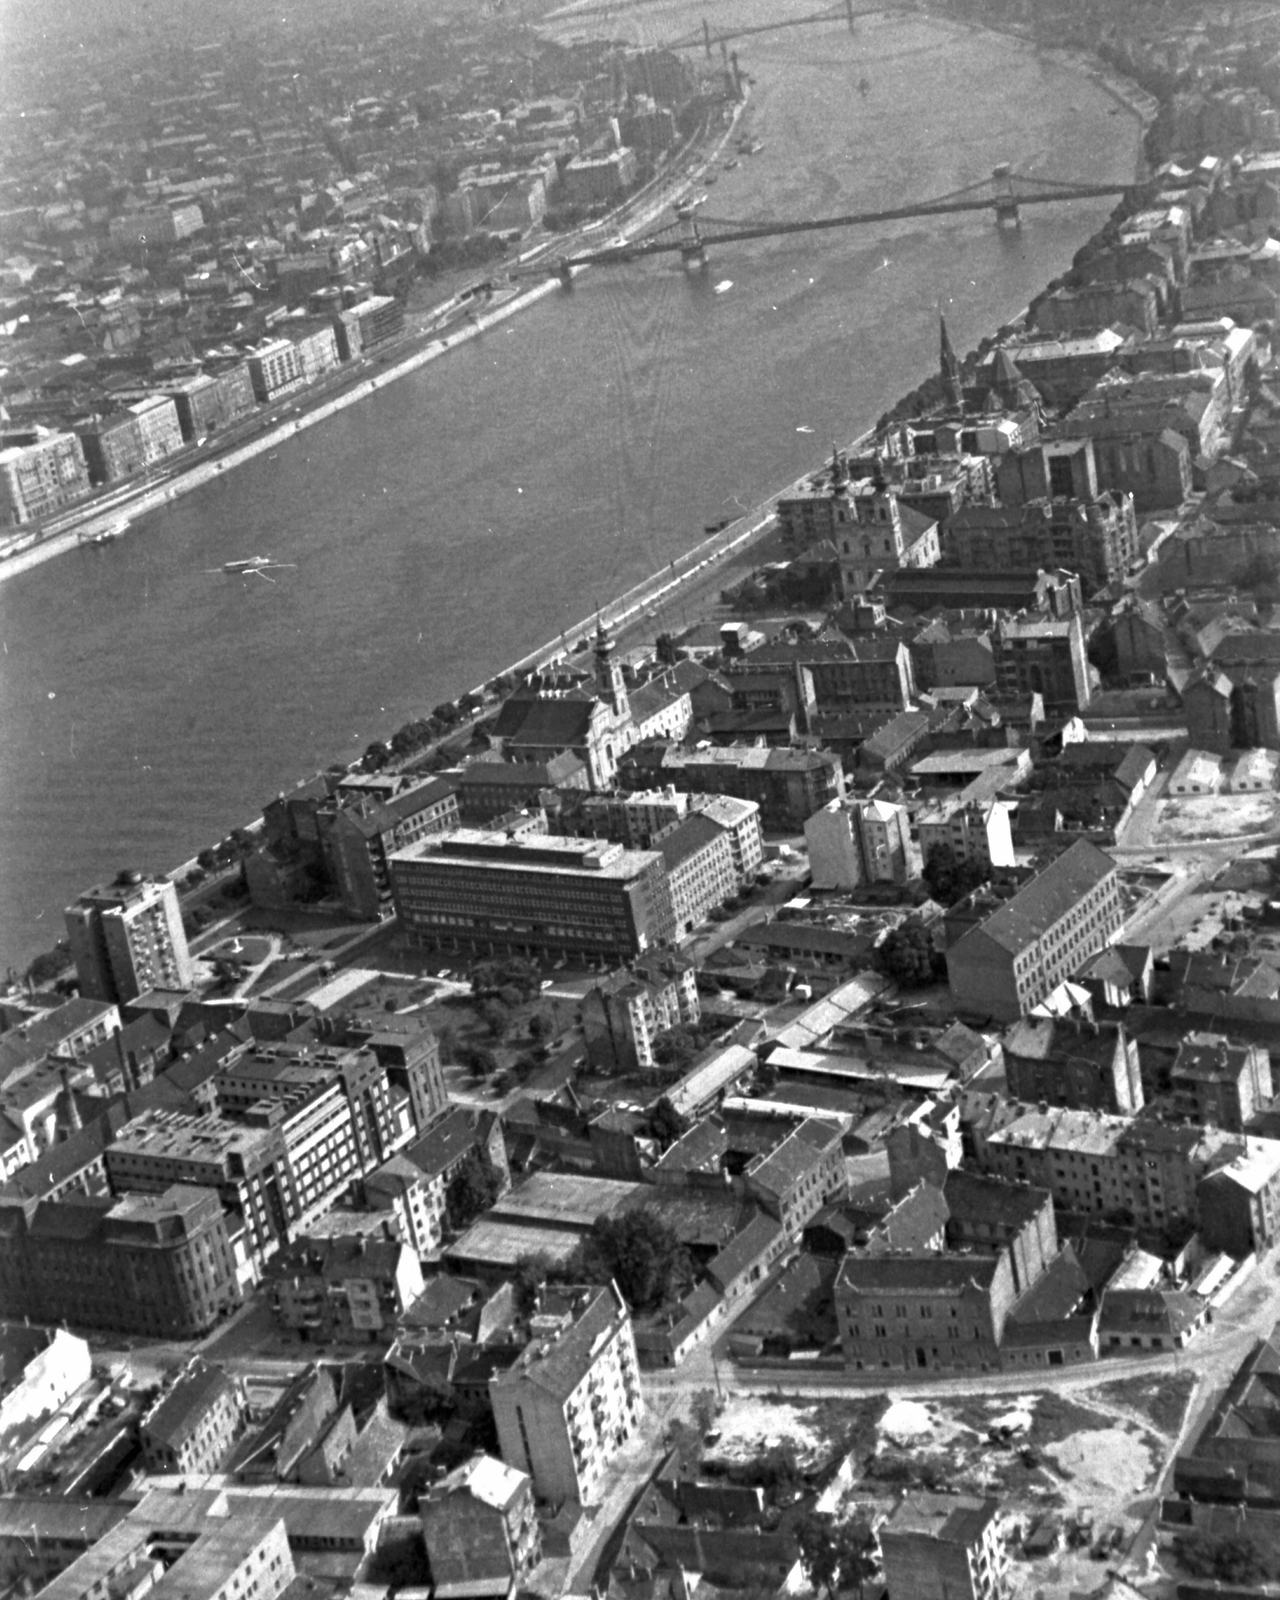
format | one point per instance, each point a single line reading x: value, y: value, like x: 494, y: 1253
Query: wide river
x: 454, y: 521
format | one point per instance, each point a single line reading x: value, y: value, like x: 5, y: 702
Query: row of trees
x: 421, y: 733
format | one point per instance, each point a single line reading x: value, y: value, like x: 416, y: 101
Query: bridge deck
x: 673, y: 237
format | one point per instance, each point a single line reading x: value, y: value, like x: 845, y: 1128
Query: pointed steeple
x: 610, y: 684
x: 949, y: 367
x: 839, y: 469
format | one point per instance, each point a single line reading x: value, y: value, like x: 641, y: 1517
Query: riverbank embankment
x: 111, y: 515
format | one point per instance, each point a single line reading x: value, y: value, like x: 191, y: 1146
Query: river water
x: 455, y: 520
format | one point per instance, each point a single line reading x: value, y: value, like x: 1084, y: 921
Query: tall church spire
x: 610, y: 684
x: 948, y: 365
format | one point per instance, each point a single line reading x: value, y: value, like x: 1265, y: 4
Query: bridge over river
x: 1005, y: 193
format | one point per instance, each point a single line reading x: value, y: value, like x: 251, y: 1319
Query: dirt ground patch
x: 1214, y: 816
x: 1162, y: 1401
x: 1106, y: 1464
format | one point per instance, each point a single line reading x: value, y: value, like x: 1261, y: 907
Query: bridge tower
x: 564, y: 272
x: 693, y: 252
x: 1005, y: 201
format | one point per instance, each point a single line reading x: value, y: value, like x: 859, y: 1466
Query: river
x: 454, y: 521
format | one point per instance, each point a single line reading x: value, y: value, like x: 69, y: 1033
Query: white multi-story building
x: 275, y: 368
x: 624, y: 1015
x: 39, y: 471
x: 572, y: 1400
x: 740, y: 820
x: 159, y: 429
x: 700, y: 873
x: 973, y: 830
x: 859, y: 841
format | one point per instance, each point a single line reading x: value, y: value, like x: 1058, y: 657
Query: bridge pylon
x: 693, y: 252
x: 564, y: 272
x: 706, y: 37
x: 1006, y: 202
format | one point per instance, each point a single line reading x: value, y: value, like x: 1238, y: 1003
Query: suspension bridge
x: 692, y: 231
x: 843, y: 12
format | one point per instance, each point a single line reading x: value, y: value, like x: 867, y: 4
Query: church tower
x: 949, y: 367
x: 610, y: 684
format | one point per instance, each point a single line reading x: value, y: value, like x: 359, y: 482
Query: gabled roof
x: 183, y: 1408
x: 553, y: 722
x: 1043, y: 902
x: 559, y: 1365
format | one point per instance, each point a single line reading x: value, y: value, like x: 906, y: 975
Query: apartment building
x: 158, y: 427
x: 740, y: 820
x: 480, y: 1528
x: 246, y: 1167
x: 360, y: 834
x: 973, y: 830
x: 944, y: 1547
x: 1073, y: 1061
x: 317, y: 347
x: 194, y: 1423
x: 572, y: 1399
x: 787, y: 785
x: 859, y: 841
x: 127, y: 936
x: 863, y: 674
x: 635, y: 819
x: 1240, y: 1201
x: 627, y: 1012
x: 801, y: 1175
x: 1038, y: 937
x: 39, y: 472
x: 275, y: 369
x: 700, y: 870
x: 159, y: 1265
x: 412, y: 1185
x: 586, y: 899
x: 1097, y: 537
x: 1097, y: 1164
x: 1044, y: 656
x: 1217, y: 1081
x: 345, y: 1290
x: 923, y: 1312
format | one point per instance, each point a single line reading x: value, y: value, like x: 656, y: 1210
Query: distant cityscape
x: 198, y: 236
x: 776, y: 1107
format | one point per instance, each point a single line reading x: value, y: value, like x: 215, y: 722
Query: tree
x: 472, y: 1190
x: 1231, y: 1557
x: 49, y: 963
x: 676, y: 1048
x: 496, y: 1017
x: 908, y: 957
x: 638, y: 1252
x: 835, y: 1555
x: 540, y: 1025
x: 949, y: 878
x: 666, y: 650
x: 666, y: 1124
x: 704, y: 1411
x: 817, y: 1546
x: 527, y: 1282
x: 484, y: 978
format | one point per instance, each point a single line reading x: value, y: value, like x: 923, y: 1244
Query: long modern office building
x: 536, y: 895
